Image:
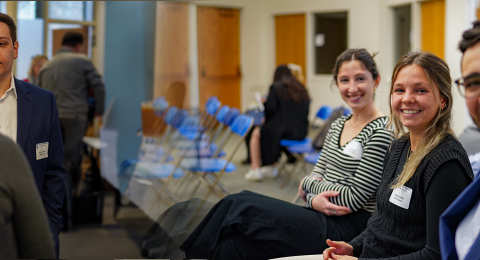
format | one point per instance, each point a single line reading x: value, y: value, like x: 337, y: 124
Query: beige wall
x: 369, y: 26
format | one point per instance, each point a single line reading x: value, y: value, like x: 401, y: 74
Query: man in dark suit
x: 460, y: 223
x: 28, y: 115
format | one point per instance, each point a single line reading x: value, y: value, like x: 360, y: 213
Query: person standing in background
x: 70, y: 75
x: 28, y: 116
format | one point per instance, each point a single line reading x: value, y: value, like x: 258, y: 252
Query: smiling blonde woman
x: 425, y: 168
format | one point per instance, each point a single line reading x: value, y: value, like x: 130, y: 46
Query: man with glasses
x: 460, y: 223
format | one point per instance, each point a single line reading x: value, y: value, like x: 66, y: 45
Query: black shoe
x: 246, y: 161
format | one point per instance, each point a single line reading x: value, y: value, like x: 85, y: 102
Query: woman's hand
x: 338, y: 250
x: 301, y: 192
x: 322, y: 203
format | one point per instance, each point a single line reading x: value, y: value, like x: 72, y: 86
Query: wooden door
x: 219, y: 55
x: 171, y: 67
x: 433, y: 27
x: 290, y: 40
x: 58, y: 37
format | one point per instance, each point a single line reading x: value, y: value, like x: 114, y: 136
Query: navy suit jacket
x: 37, y: 122
x: 451, y: 218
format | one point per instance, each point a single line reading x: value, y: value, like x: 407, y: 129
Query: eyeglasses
x: 469, y: 86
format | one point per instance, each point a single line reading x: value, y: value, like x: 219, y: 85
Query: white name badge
x: 354, y: 149
x: 42, y: 150
x: 401, y: 197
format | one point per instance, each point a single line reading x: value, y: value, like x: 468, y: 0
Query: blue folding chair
x: 212, y: 151
x: 210, y: 170
x: 324, y: 112
x: 346, y: 111
x: 151, y: 148
x: 211, y: 148
x: 211, y: 108
x: 160, y: 105
x: 300, y: 147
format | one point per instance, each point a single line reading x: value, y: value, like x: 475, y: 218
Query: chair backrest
x: 190, y: 123
x: 179, y: 117
x: 212, y: 105
x: 324, y: 112
x: 222, y: 112
x: 160, y: 105
x: 230, y: 116
x: 242, y: 124
x: 170, y: 114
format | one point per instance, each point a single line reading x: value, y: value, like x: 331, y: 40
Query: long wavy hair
x: 438, y: 73
x: 294, y: 90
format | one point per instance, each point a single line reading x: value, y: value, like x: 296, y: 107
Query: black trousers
x: 73, y: 131
x: 253, y: 226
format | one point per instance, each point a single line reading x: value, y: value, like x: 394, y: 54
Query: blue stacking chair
x: 300, y: 147
x: 150, y: 148
x: 324, y: 112
x: 154, y: 168
x: 226, y: 117
x: 210, y: 170
x: 211, y: 108
x: 211, y: 148
x: 303, y: 151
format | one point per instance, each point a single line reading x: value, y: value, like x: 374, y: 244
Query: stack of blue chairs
x: 200, y: 147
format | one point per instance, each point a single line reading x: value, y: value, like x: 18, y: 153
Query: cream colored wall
x: 363, y: 32
x: 455, y: 24
x: 370, y: 24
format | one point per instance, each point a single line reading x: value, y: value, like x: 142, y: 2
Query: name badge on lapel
x: 42, y: 150
x: 354, y: 149
x: 401, y: 197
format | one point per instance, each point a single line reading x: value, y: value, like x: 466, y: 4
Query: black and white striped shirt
x: 356, y: 180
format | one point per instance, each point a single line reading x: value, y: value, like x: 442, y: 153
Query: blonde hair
x: 297, y: 72
x: 438, y: 73
x: 35, y: 60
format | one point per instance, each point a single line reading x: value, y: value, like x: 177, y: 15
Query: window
x: 71, y: 10
x: 30, y: 24
x: 3, y: 7
x: 330, y: 40
x: 38, y: 34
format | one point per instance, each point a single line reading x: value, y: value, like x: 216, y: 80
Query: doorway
x: 219, y: 55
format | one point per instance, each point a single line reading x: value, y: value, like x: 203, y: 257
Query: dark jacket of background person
x: 284, y: 119
x: 69, y: 75
x: 412, y: 233
x: 37, y: 122
x: 24, y: 230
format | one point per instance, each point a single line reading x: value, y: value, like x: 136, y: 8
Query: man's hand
x: 322, y: 203
x: 338, y: 250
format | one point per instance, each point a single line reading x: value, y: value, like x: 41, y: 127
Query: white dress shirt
x: 8, y: 112
x: 467, y: 231
x: 475, y: 162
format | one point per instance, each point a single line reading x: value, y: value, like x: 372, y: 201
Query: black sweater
x: 398, y: 233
